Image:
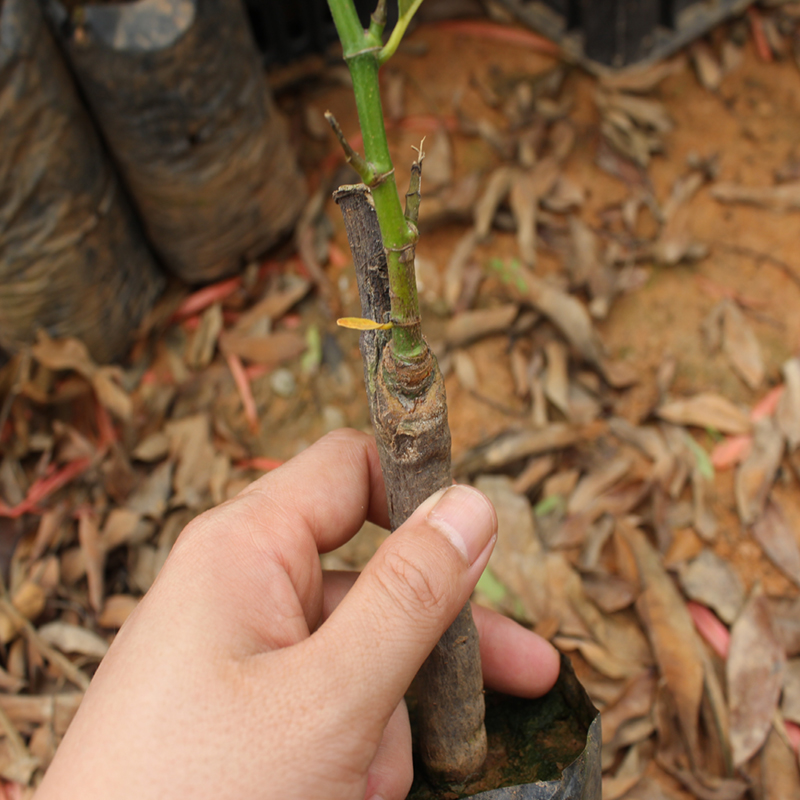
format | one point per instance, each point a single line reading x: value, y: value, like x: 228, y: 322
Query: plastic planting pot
x: 543, y: 749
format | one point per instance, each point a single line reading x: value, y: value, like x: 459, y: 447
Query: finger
x: 392, y: 770
x: 265, y: 543
x: 332, y: 487
x: 407, y: 596
x: 515, y: 661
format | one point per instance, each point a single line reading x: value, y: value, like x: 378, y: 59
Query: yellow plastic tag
x: 361, y: 324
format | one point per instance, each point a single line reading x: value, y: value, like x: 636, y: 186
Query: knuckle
x: 411, y: 586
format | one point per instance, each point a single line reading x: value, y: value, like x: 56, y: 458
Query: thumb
x: 408, y: 595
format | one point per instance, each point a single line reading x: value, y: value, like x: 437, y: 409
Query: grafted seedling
x: 404, y: 384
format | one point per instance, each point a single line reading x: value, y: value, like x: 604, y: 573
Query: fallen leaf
x: 518, y: 559
x: 70, y: 638
x: 465, y: 370
x: 469, y: 326
x: 517, y: 445
x: 755, y: 475
x: 190, y: 446
x: 672, y: 635
x: 534, y: 473
x: 705, y: 63
x: 495, y: 192
x: 706, y: 410
x: 784, y: 197
x: 710, y: 580
x: 93, y: 557
x: 788, y: 411
x: 780, y: 777
x: 203, y: 343
x: 755, y: 676
x: 638, y: 78
x: 117, y: 608
x: 790, y: 697
x: 635, y: 701
x: 778, y: 540
x: 275, y: 348
x: 595, y: 483
x: 66, y: 354
x: 740, y: 346
x: 556, y: 379
x: 609, y: 592
x: 152, y: 495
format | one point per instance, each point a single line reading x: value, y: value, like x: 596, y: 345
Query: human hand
x: 247, y: 673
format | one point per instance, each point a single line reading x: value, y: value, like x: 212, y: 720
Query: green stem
x: 361, y: 53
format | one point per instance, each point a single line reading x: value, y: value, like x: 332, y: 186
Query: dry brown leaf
x: 755, y: 676
x: 780, y: 778
x: 117, y: 609
x: 524, y: 205
x: 740, y: 346
x: 565, y: 196
x: 123, y: 526
x: 706, y: 410
x: 273, y: 306
x: 515, y: 446
x: 609, y: 592
x: 597, y: 482
x: 784, y: 197
x: 556, y: 378
x: 790, y: 696
x: 28, y: 711
x: 456, y: 272
x: 785, y: 614
x: 468, y: 326
x: 644, y: 111
x: 642, y: 79
x: 534, y: 473
x: 788, y: 411
x: 636, y: 700
x: 602, y: 659
x: 711, y: 581
x: 496, y: 190
x: 70, y: 638
x: 569, y: 316
x: 517, y: 560
x: 465, y: 370
x: 778, y: 540
x: 708, y: 69
x: 151, y: 497
x: 72, y: 354
x: 756, y: 474
x: 270, y: 350
x: 204, y: 340
x: 153, y: 448
x: 190, y: 446
x: 93, y: 557
x: 672, y: 634
x: 438, y: 168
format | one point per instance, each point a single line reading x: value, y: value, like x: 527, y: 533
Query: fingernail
x: 466, y: 517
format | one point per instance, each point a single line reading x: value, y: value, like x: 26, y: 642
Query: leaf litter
x: 644, y: 485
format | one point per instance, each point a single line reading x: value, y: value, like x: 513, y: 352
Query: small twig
x: 358, y: 162
x: 413, y: 195
x: 57, y: 659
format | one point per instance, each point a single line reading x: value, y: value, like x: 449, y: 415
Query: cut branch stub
x: 409, y: 413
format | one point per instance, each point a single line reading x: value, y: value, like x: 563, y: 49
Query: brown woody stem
x: 409, y: 414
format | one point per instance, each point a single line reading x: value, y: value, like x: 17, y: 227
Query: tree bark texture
x: 409, y: 413
x: 73, y: 260
x: 178, y: 90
